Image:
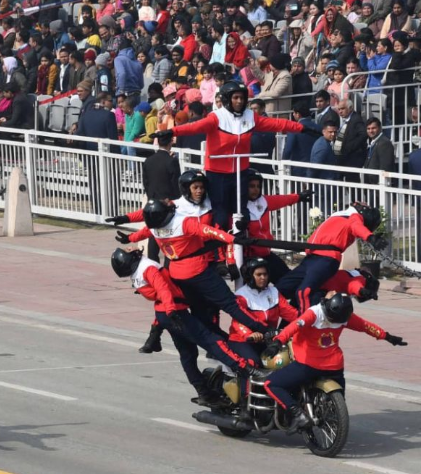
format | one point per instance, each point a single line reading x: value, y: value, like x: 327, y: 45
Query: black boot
x: 153, y: 342
x: 205, y: 397
x: 255, y: 372
x: 300, y: 420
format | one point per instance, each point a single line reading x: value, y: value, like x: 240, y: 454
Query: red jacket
x: 315, y: 341
x: 259, y: 225
x: 340, y: 229
x: 136, y: 216
x: 181, y: 237
x: 345, y: 281
x: 163, y: 19
x: 189, y: 45
x: 227, y: 134
x: 154, y: 283
x: 267, y: 306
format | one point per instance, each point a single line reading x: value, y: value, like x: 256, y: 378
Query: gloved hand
x: 311, y: 131
x: 368, y: 294
x: 162, y: 134
x: 395, y: 340
x: 246, y: 241
x: 305, y: 196
x: 118, y: 220
x: 122, y: 237
x: 242, y: 224
x: 233, y: 271
x: 176, y: 321
x: 377, y: 241
x: 269, y: 335
x: 272, y: 349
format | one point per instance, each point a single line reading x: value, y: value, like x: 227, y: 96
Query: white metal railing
x: 71, y: 182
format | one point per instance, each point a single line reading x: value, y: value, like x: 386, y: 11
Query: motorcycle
x: 322, y: 400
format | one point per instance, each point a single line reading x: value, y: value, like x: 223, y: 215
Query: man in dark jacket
x: 342, y: 46
x: 380, y: 153
x: 301, y: 82
x: 22, y: 108
x: 128, y: 72
x: 62, y: 81
x: 196, y: 112
x: 160, y: 179
x: 325, y: 113
x: 268, y: 44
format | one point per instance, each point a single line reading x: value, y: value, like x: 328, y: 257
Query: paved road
x: 76, y: 396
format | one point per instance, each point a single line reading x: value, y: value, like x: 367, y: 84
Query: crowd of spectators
x: 182, y: 52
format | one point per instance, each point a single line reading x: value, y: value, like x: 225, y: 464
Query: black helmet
x: 158, y: 214
x: 371, y: 215
x: 125, y: 263
x: 187, y: 179
x: 227, y: 91
x: 254, y: 175
x: 338, y: 309
x: 247, y: 270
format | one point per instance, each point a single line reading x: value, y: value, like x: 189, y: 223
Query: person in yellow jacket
x: 151, y: 121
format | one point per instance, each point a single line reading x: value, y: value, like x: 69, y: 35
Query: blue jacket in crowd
x: 128, y: 72
x: 322, y: 153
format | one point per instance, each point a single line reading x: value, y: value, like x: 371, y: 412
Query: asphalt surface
x: 77, y: 397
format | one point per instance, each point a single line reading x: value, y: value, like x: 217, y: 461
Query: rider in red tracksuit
x: 181, y: 239
x: 153, y: 282
x: 340, y: 230
x: 260, y: 207
x: 315, y: 344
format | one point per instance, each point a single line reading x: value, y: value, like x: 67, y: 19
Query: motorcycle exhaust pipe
x: 224, y: 421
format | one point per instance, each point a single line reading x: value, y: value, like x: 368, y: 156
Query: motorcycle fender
x: 232, y: 389
x: 327, y: 385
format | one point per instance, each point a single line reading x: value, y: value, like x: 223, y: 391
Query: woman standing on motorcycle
x: 263, y: 303
x: 315, y: 343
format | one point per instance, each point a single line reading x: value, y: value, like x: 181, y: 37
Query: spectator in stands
x: 268, y: 44
x: 62, y: 81
x: 380, y: 153
x: 355, y: 82
x: 84, y: 92
x: 47, y: 37
x: 277, y: 83
x: 103, y: 73
x: 301, y: 42
x: 77, y: 69
x: 371, y: 19
x: 99, y: 122
x: 60, y: 37
x: 236, y: 53
x: 322, y: 154
x: 89, y: 59
x: 179, y: 67
x: 76, y: 35
x: 89, y: 29
x: 208, y: 86
x: 134, y: 127
x: 338, y: 86
x: 397, y: 20
x: 36, y: 43
x: 156, y: 96
x: 163, y: 64
x: 376, y: 60
x: 128, y: 71
x: 106, y: 8
x: 342, y: 46
x: 12, y: 73
x: 87, y: 11
x: 325, y: 113
x: 21, y: 44
x: 262, y: 142
x: 8, y: 33
x: 298, y: 147
x: 382, y: 7
x: 219, y: 46
x: 110, y: 41
x: 256, y: 11
x: 119, y: 114
x: 22, y: 114
x: 319, y: 77
x: 144, y: 36
x: 187, y: 41
x: 350, y: 143
x: 47, y: 75
x: 146, y: 63
x: 151, y: 121
x: 330, y: 22
x: 30, y: 63
x: 196, y: 112
x: 302, y: 86
x: 162, y: 16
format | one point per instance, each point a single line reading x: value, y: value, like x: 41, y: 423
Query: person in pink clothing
x: 106, y: 8
x: 208, y: 87
x: 119, y: 114
x: 335, y: 89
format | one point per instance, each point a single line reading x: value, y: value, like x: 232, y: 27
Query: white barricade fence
x: 68, y: 181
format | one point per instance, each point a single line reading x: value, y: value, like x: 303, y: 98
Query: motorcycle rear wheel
x: 329, y: 436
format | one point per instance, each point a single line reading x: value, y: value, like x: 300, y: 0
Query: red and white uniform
x: 154, y: 283
x: 202, y: 211
x: 227, y: 134
x: 181, y: 237
x: 259, y: 225
x: 136, y: 216
x: 340, y: 229
x: 315, y: 341
x: 267, y: 306
x: 345, y: 281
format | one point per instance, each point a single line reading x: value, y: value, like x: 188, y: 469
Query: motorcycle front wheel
x: 328, y: 437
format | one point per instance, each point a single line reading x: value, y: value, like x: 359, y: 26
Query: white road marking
x: 37, y: 392
x: 41, y: 369
x: 382, y: 393
x: 182, y: 424
x: 373, y: 467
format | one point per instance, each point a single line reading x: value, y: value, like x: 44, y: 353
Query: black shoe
x: 299, y: 422
x: 256, y: 373
x: 207, y: 398
x: 153, y: 342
